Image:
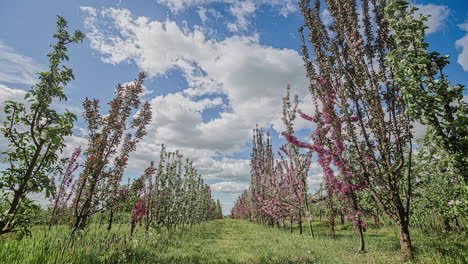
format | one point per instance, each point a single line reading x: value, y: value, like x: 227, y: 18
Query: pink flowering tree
x: 242, y: 208
x: 348, y: 74
x: 329, y: 142
x: 64, y: 190
x: 261, y: 167
x: 139, y: 208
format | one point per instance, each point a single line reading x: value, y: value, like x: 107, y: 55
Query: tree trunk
x: 111, y: 218
x: 100, y: 220
x: 291, y: 226
x: 331, y: 222
x: 361, y: 239
x: 310, y: 229
x: 405, y: 241
x: 300, y: 227
x: 132, y: 229
x: 376, y: 220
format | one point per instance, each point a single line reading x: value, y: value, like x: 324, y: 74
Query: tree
x: 64, y: 190
x: 348, y: 68
x: 433, y: 102
x: 36, y: 134
x: 110, y: 137
x: 425, y: 88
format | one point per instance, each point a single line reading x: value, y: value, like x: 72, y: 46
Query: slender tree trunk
x: 376, y: 220
x: 52, y: 218
x: 310, y: 229
x: 100, y: 220
x: 132, y: 229
x: 362, y: 247
x: 331, y: 222
x: 291, y: 227
x: 111, y: 218
x: 300, y: 227
x: 405, y: 241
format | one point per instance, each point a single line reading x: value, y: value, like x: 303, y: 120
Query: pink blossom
x: 357, y: 43
x: 306, y: 117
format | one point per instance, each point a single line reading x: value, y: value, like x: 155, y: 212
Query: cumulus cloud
x: 314, y: 181
x: 462, y: 44
x: 228, y: 187
x: 17, y: 68
x: 438, y: 16
x: 252, y: 77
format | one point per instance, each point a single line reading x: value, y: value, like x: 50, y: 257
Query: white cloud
x: 462, y: 44
x: 438, y: 15
x: 238, y: 81
x: 326, y: 17
x: 17, y: 68
x: 178, y: 5
x: 251, y: 76
x: 227, y: 169
x: 228, y: 187
x: 314, y: 180
x: 242, y: 11
x: 202, y: 13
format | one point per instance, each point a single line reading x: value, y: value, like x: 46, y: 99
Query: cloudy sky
x: 216, y: 69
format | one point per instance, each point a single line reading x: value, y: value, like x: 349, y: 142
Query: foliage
x: 36, y: 134
x: 442, y: 156
x: 98, y: 183
x: 181, y: 197
x: 440, y: 193
x: 419, y: 75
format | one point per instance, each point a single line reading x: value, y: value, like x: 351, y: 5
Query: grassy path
x: 227, y: 241
x: 237, y: 241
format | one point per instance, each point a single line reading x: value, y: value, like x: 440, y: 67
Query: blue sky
x: 216, y: 67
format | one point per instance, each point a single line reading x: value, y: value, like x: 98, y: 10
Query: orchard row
x: 372, y: 80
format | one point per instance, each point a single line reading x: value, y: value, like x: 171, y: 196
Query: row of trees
x: 372, y: 80
x: 171, y: 195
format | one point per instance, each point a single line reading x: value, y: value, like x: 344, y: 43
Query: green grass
x: 227, y: 241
